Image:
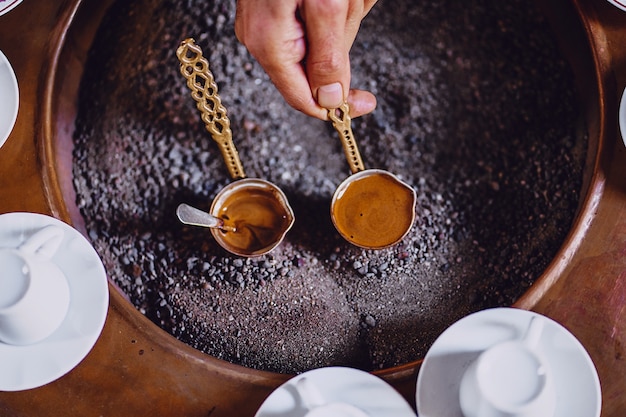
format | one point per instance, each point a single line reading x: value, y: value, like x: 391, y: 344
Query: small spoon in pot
x: 196, y: 217
x: 256, y: 212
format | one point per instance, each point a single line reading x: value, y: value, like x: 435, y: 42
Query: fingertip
x: 361, y: 102
x: 300, y: 101
x: 330, y: 96
x: 312, y: 109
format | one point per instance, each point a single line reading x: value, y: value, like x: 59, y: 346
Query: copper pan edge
x: 69, y: 45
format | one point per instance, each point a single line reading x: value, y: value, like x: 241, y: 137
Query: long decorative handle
x: 195, y: 68
x: 340, y: 118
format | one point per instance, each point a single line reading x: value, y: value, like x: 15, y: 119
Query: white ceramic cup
x: 317, y: 406
x: 510, y: 379
x: 10, y: 101
x: 622, y: 114
x: 34, y: 293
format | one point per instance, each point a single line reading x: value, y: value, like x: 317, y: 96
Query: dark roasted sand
x: 477, y: 111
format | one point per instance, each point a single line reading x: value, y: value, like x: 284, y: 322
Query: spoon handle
x: 195, y: 68
x: 196, y: 217
x: 341, y: 122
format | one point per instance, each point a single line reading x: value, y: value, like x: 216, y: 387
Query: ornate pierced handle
x: 195, y: 68
x: 341, y: 122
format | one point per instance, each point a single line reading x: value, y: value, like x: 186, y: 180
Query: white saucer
x: 622, y: 117
x: 576, y: 378
x: 338, y: 384
x: 30, y: 366
x: 8, y: 5
x: 620, y: 4
x: 10, y: 97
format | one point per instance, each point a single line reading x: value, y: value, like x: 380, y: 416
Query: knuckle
x: 330, y: 62
x: 330, y: 7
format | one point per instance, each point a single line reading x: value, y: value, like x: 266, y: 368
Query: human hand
x: 304, y: 47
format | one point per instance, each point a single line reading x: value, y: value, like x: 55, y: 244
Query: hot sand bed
x: 477, y: 111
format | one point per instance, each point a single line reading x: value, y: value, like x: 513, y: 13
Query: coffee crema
x: 257, y: 213
x: 373, y: 209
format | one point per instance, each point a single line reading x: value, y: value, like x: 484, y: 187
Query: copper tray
x: 138, y: 369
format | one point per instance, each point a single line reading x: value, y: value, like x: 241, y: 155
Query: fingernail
x: 330, y: 96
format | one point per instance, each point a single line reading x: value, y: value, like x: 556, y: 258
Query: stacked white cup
x: 510, y: 379
x: 34, y: 292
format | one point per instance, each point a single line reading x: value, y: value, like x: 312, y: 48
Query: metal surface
x: 341, y: 120
x: 196, y: 217
x: 195, y: 68
x: 360, y: 199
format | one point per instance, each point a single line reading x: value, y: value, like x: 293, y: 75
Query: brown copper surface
x: 137, y: 369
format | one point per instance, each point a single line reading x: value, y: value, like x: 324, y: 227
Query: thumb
x: 327, y: 60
